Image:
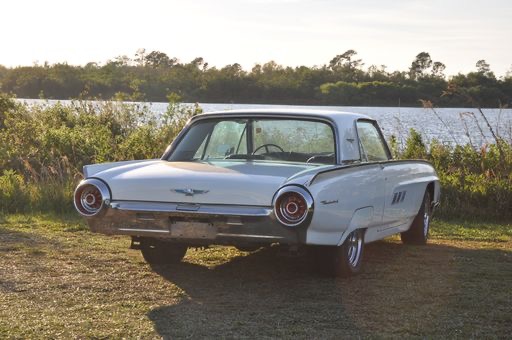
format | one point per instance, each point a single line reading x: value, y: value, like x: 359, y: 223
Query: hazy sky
x: 291, y: 32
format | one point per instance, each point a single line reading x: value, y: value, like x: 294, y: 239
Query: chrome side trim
x: 200, y: 209
x: 145, y: 230
x: 363, y: 164
x: 249, y: 236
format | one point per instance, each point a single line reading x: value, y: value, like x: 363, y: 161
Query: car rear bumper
x: 195, y: 224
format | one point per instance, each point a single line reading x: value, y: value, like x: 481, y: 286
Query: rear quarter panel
x: 406, y: 183
x: 362, y: 197
x: 338, y: 195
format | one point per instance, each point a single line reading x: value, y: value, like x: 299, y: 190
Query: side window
x: 373, y: 148
x: 227, y: 137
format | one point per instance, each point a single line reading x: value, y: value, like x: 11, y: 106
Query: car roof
x: 332, y: 115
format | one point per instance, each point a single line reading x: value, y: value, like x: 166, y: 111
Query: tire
x: 345, y: 260
x: 420, y: 226
x: 157, y: 251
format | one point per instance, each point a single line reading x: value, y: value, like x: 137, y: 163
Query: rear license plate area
x: 193, y: 230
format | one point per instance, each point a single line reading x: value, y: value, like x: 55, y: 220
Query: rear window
x: 280, y: 140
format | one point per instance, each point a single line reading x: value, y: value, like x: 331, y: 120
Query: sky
x: 290, y: 32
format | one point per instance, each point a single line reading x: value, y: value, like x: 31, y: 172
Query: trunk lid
x: 223, y: 182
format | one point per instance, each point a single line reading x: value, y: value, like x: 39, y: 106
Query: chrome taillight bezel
x: 80, y: 202
x: 278, y: 210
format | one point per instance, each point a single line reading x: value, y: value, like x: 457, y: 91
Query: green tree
x: 158, y: 59
x: 140, y: 57
x: 346, y: 65
x: 482, y: 66
x: 420, y: 64
x: 438, y: 69
x: 150, y: 76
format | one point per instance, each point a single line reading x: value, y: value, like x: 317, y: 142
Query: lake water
x: 448, y: 125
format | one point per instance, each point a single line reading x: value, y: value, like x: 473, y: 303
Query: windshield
x: 281, y: 140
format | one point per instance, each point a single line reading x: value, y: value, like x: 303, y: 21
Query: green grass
x: 59, y: 280
x: 472, y: 231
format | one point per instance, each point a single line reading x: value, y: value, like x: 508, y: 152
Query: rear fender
x: 93, y: 169
x: 360, y: 220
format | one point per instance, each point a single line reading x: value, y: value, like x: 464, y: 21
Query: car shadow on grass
x: 262, y: 294
x: 403, y: 291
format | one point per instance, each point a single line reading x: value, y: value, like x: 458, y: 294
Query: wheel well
x: 364, y: 230
x: 430, y: 189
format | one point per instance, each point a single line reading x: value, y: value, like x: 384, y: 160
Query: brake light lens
x: 90, y: 197
x: 292, y: 206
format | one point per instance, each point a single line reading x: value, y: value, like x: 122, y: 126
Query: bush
x: 476, y: 183
x: 14, y: 195
x: 43, y: 148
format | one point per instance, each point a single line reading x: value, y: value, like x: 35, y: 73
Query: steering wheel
x: 266, y: 148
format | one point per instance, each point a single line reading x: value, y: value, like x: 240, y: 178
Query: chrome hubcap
x: 355, y: 244
x: 426, y: 219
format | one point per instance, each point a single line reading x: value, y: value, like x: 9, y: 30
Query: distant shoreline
x: 393, y: 120
x: 52, y: 100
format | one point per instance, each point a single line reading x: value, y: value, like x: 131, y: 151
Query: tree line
x: 152, y: 76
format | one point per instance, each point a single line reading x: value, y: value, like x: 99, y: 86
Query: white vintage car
x: 310, y: 179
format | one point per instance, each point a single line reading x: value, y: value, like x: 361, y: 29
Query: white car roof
x: 333, y: 115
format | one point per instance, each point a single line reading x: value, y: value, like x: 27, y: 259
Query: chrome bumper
x: 195, y: 224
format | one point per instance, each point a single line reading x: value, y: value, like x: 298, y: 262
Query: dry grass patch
x: 58, y: 280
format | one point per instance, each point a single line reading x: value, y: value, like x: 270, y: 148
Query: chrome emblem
x: 398, y: 197
x: 329, y: 202
x: 189, y: 191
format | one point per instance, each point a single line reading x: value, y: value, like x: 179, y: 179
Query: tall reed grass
x: 43, y: 148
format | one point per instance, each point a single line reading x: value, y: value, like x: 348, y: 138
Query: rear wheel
x: 420, y: 227
x: 157, y: 251
x: 345, y: 260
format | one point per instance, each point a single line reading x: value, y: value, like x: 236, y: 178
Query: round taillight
x: 292, y: 206
x: 90, y: 197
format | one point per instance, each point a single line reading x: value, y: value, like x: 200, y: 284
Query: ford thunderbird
x: 322, y: 181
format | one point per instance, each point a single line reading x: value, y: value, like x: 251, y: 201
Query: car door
x: 374, y: 150
x: 395, y: 175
